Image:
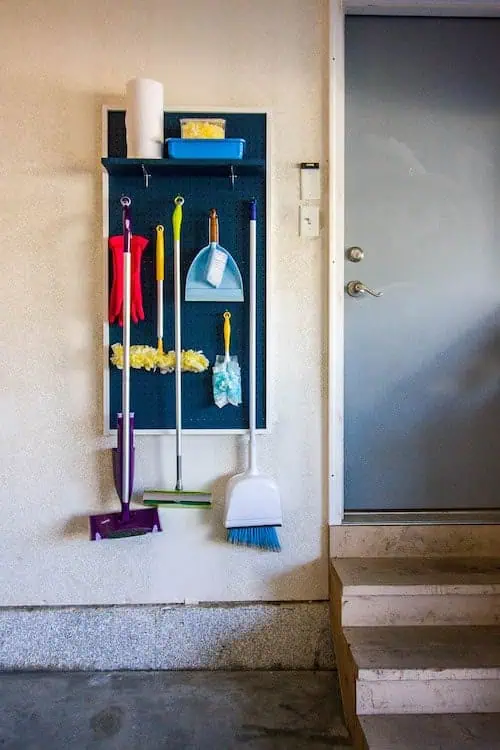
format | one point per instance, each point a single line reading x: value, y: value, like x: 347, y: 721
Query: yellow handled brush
x: 160, y: 276
x: 226, y: 375
x: 227, y: 335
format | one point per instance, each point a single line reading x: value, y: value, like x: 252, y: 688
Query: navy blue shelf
x: 121, y: 167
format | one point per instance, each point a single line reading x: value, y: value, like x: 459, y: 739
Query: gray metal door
x: 422, y: 377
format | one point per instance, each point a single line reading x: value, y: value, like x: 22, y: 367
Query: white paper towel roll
x: 144, y: 119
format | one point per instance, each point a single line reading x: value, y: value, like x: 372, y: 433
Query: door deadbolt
x: 355, y: 254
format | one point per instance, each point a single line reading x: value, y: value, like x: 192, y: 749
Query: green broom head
x: 177, y: 498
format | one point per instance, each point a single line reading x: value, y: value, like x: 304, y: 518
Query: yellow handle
x: 177, y: 218
x: 160, y: 252
x: 227, y: 332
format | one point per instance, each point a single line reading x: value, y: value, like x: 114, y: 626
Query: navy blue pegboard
x: 153, y: 394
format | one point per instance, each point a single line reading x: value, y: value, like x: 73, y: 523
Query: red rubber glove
x: 137, y: 247
x: 116, y: 294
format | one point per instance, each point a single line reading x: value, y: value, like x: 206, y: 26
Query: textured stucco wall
x: 60, y: 60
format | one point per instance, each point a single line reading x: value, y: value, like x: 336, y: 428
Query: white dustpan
x: 214, y: 276
x: 252, y: 499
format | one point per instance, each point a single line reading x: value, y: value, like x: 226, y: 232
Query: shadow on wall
x: 78, y: 526
x: 64, y: 138
x: 60, y: 155
x: 300, y: 576
x: 55, y: 199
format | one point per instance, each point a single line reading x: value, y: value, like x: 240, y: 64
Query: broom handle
x: 125, y: 453
x: 176, y: 224
x: 253, y: 337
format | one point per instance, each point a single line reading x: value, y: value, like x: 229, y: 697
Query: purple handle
x: 126, y: 222
x: 118, y: 459
x: 253, y: 210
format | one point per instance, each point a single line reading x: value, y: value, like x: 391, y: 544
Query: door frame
x: 338, y: 10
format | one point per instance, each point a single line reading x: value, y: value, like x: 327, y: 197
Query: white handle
x: 253, y: 346
x: 126, y: 380
x: 159, y: 309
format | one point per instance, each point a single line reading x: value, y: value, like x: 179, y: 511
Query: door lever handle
x: 358, y: 289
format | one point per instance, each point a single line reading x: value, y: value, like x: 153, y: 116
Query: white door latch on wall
x: 310, y: 195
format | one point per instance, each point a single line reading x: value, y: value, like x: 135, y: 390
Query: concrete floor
x: 171, y: 710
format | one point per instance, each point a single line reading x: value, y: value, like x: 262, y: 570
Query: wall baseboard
x: 242, y: 636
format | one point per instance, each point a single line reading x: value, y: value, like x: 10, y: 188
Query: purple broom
x: 127, y: 522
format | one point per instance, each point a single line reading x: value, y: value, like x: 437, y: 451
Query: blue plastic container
x: 205, y: 148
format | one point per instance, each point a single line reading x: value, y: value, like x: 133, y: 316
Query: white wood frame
x: 105, y: 233
x: 338, y: 9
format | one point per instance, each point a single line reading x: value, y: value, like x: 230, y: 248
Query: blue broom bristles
x: 263, y: 537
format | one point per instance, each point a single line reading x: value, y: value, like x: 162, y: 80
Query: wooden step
x: 423, y: 669
x: 432, y: 732
x: 416, y: 591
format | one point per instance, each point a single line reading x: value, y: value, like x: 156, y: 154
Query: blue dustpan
x: 213, y: 261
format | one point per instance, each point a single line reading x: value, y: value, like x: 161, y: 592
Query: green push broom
x: 179, y: 497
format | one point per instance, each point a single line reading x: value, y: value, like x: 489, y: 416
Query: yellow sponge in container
x: 197, y: 127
